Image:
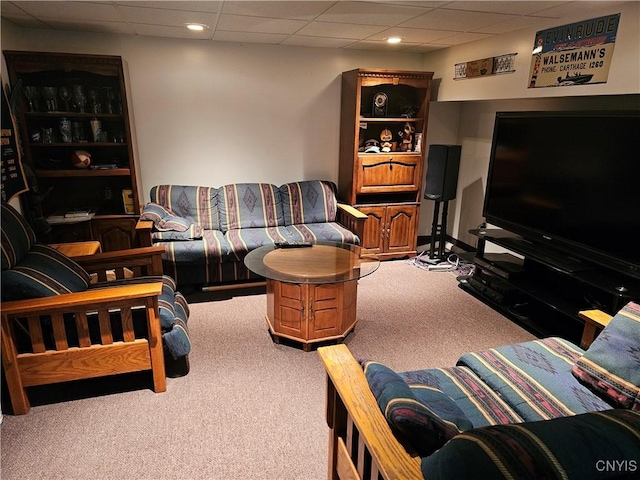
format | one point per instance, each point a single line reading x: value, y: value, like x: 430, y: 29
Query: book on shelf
x: 79, y: 212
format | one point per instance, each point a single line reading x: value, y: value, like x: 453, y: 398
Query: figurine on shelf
x: 407, y: 137
x: 386, y: 136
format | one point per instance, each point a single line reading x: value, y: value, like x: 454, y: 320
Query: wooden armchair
x: 62, y: 329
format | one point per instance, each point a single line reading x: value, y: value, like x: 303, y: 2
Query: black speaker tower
x: 441, y: 185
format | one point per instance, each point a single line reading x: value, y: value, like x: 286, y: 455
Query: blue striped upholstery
x: 480, y: 404
x: 249, y: 205
x: 312, y: 201
x: 31, y: 270
x: 243, y: 240
x: 17, y: 236
x: 535, y: 378
x: 199, y: 205
x: 562, y: 448
x: 611, y: 365
x: 43, y: 272
x: 327, y: 231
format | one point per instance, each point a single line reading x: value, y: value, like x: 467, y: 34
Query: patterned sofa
x: 207, y: 231
x: 538, y: 409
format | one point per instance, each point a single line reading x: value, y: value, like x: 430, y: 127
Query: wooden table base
x: 310, y: 313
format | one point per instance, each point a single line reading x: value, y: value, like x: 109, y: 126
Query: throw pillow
x: 194, y: 232
x: 172, y: 223
x: 426, y: 424
x: 155, y: 212
x: 611, y: 365
x: 43, y: 272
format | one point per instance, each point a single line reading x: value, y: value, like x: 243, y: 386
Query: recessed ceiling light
x: 394, y: 39
x: 197, y: 27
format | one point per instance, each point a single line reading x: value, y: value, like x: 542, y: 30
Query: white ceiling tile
x: 169, y: 31
x: 72, y: 10
x: 93, y: 26
x: 243, y: 37
x: 300, y: 10
x: 459, y: 38
x: 413, y: 35
x: 318, y: 42
x: 505, y: 27
x: 174, y: 18
x: 25, y: 21
x: 239, y: 23
x: 455, y: 20
x: 369, y: 13
x: 572, y: 8
x: 209, y: 6
x: 340, y: 30
x: 513, y: 7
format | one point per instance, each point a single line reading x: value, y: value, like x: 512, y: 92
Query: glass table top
x: 323, y: 262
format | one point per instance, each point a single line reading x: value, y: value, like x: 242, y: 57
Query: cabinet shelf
x: 391, y: 119
x: 101, y: 116
x: 77, y: 145
x: 111, y: 172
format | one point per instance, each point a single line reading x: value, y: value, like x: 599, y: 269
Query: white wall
x: 210, y: 113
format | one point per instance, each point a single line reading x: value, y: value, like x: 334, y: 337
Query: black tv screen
x: 571, y: 181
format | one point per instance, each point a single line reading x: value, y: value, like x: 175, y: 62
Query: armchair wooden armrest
x: 594, y: 322
x: 352, y: 219
x: 49, y: 340
x: 142, y: 261
x: 361, y: 443
x: 143, y: 232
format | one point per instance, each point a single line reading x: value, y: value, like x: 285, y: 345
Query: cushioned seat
x: 33, y: 270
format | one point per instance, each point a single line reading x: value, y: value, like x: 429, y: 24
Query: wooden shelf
x: 391, y: 119
x: 112, y: 172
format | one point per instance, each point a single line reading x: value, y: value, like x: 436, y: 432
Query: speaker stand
x: 438, y: 233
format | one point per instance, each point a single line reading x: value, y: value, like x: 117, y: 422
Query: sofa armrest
x: 143, y: 232
x: 360, y: 439
x: 143, y: 261
x: 352, y: 219
x: 594, y: 322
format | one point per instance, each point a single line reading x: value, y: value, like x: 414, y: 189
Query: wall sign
x: 485, y: 67
x: 13, y: 179
x: 575, y: 54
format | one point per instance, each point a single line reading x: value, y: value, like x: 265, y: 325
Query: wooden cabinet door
x: 324, y: 310
x: 389, y: 173
x: 402, y: 224
x: 289, y: 307
x: 374, y: 229
x: 114, y: 234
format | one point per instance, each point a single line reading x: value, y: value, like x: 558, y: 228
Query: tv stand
x: 545, y: 289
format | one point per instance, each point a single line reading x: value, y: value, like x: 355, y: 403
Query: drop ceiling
x: 423, y: 26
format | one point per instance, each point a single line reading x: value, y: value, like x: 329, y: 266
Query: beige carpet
x: 249, y: 409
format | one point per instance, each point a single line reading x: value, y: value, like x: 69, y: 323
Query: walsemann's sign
x: 575, y: 54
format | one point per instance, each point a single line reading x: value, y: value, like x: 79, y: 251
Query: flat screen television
x: 569, y: 182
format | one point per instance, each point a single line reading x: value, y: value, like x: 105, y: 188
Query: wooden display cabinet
x: 68, y: 103
x: 385, y: 185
